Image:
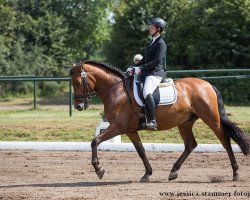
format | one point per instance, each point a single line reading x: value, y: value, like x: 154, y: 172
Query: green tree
x: 31, y: 26
x: 43, y: 37
x: 212, y: 33
x: 88, y: 25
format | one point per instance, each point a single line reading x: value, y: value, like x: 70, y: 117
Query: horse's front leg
x: 109, y: 133
x: 99, y: 170
x: 136, y: 140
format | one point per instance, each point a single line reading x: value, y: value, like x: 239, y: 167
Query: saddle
x: 165, y: 94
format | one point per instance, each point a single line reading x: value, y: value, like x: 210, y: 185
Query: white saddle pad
x: 168, y: 94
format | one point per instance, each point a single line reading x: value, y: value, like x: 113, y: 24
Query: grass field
x: 19, y: 122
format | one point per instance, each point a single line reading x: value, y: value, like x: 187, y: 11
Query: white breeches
x: 151, y: 83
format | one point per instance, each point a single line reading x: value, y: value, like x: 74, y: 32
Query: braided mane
x: 107, y: 66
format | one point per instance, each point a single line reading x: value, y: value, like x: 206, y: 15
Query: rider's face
x: 152, y: 30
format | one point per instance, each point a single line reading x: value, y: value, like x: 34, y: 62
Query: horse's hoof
x: 100, y: 172
x: 236, y: 177
x: 172, y: 176
x: 144, y: 179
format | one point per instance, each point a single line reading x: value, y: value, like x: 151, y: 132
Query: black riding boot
x: 150, y: 105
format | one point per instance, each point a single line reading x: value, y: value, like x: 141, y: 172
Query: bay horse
x: 196, y: 99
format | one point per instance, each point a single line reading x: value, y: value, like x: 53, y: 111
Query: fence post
x: 70, y: 98
x: 34, y: 94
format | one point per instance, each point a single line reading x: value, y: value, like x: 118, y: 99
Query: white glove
x: 130, y: 71
x: 137, y: 70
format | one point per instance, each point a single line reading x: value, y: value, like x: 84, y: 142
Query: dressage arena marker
x: 102, y: 126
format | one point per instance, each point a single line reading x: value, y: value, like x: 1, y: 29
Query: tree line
x: 44, y: 38
x: 199, y: 34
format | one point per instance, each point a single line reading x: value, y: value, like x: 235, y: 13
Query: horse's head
x: 83, y: 85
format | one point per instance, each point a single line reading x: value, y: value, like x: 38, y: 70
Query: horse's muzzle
x: 82, y: 106
x: 79, y: 107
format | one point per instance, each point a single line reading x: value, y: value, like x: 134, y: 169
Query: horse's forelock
x: 74, y: 69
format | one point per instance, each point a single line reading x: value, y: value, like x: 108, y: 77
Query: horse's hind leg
x: 135, y: 139
x: 186, y: 132
x: 227, y: 145
x: 210, y: 115
x: 216, y: 126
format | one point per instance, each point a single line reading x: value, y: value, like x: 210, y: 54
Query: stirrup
x: 152, y: 125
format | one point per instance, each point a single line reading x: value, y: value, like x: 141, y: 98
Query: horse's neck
x: 104, y: 79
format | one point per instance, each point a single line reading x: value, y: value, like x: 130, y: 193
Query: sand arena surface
x: 69, y: 175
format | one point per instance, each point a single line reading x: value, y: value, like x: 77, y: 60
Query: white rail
x: 108, y: 146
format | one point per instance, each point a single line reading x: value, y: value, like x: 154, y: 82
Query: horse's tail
x: 231, y: 129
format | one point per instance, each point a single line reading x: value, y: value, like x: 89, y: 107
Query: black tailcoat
x: 152, y: 62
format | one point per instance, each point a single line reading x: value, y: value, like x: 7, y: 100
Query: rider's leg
x: 150, y: 105
x: 151, y: 83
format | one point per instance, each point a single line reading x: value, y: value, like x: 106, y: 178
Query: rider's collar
x: 154, y: 38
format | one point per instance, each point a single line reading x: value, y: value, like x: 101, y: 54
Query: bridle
x: 89, y: 92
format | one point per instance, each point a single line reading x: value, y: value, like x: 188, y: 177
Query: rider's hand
x: 137, y: 70
x: 130, y: 71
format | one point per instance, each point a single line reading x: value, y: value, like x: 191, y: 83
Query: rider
x: 151, y: 67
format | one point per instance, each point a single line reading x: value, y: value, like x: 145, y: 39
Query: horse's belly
x: 170, y: 118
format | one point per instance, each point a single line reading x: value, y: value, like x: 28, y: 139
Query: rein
x: 110, y: 88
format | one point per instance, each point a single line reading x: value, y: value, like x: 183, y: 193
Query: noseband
x: 89, y: 93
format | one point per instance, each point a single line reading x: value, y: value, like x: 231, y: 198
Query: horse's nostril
x: 79, y: 107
